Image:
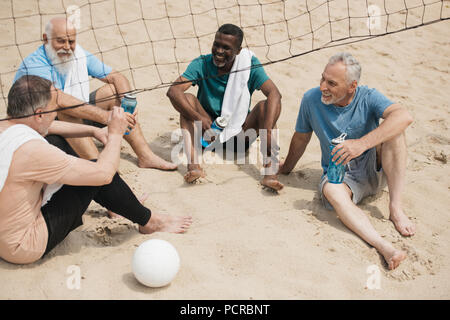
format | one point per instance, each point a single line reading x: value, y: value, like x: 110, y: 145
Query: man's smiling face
x: 224, y: 50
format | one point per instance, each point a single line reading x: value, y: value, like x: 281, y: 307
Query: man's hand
x: 348, y: 150
x: 206, y: 122
x: 131, y: 118
x: 101, y: 134
x: 118, y: 122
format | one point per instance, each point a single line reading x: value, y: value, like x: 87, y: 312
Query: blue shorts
x: 361, y: 176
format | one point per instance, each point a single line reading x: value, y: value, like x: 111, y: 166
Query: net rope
x: 152, y: 42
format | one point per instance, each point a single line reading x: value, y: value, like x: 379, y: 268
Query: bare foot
x: 394, y: 258
x: 272, y: 182
x: 142, y: 199
x: 402, y: 222
x: 166, y: 223
x: 194, y: 172
x: 155, y: 162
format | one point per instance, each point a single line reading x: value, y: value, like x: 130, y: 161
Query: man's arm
x: 181, y: 103
x: 396, y: 120
x: 297, y: 147
x: 90, y: 112
x: 101, y: 172
x: 85, y: 111
x: 75, y: 130
x: 119, y: 81
x: 273, y: 95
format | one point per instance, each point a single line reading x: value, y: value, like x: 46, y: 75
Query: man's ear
x: 38, y: 115
x: 44, y: 37
x: 353, y: 86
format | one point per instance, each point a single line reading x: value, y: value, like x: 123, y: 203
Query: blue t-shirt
x: 211, y: 88
x: 38, y: 64
x: 357, y: 119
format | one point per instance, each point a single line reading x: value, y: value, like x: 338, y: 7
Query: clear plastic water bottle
x: 128, y: 104
x: 336, y: 172
x: 218, y: 125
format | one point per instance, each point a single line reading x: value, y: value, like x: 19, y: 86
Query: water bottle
x: 218, y: 125
x: 128, y: 104
x: 336, y: 171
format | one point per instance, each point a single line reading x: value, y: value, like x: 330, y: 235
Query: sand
x: 246, y: 242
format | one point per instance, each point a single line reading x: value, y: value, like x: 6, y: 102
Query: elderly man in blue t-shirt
x: 65, y: 63
x: 211, y: 73
x: 373, y: 153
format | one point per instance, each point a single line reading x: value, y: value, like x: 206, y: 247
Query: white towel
x: 236, y: 99
x: 10, y: 140
x: 77, y: 80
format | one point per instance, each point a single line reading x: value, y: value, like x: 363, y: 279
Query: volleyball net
x: 152, y: 42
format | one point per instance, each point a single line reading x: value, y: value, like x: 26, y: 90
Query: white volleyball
x: 155, y: 263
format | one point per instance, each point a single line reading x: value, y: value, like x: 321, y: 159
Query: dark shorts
x: 92, y: 96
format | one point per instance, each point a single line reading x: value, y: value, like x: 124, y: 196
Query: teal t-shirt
x: 357, y: 119
x: 211, y: 88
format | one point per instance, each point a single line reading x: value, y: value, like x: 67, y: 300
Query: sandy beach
x: 247, y: 242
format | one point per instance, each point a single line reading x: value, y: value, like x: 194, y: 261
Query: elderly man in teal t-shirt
x: 373, y: 153
x: 211, y: 74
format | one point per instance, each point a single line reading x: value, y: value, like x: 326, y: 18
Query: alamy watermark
x: 74, y: 16
x: 73, y: 281
x: 374, y: 19
x: 374, y: 279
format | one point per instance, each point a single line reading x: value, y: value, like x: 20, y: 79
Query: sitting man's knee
x: 335, y: 193
x: 108, y: 89
x: 396, y: 142
x: 327, y: 192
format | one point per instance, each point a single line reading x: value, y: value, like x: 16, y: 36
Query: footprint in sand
x: 413, y: 266
x: 108, y: 232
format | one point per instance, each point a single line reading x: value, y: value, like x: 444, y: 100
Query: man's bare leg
x: 393, y: 159
x: 255, y: 120
x: 195, y: 171
x: 339, y: 196
x: 136, y: 139
x: 160, y: 222
x: 146, y: 157
x: 271, y: 165
x: 166, y: 223
x: 84, y: 147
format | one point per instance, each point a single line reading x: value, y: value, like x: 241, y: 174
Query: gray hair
x: 353, y: 68
x: 49, y: 26
x: 49, y: 29
x: 27, y: 94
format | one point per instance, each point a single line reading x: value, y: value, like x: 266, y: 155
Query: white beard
x: 62, y: 65
x: 333, y: 100
x: 218, y: 65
